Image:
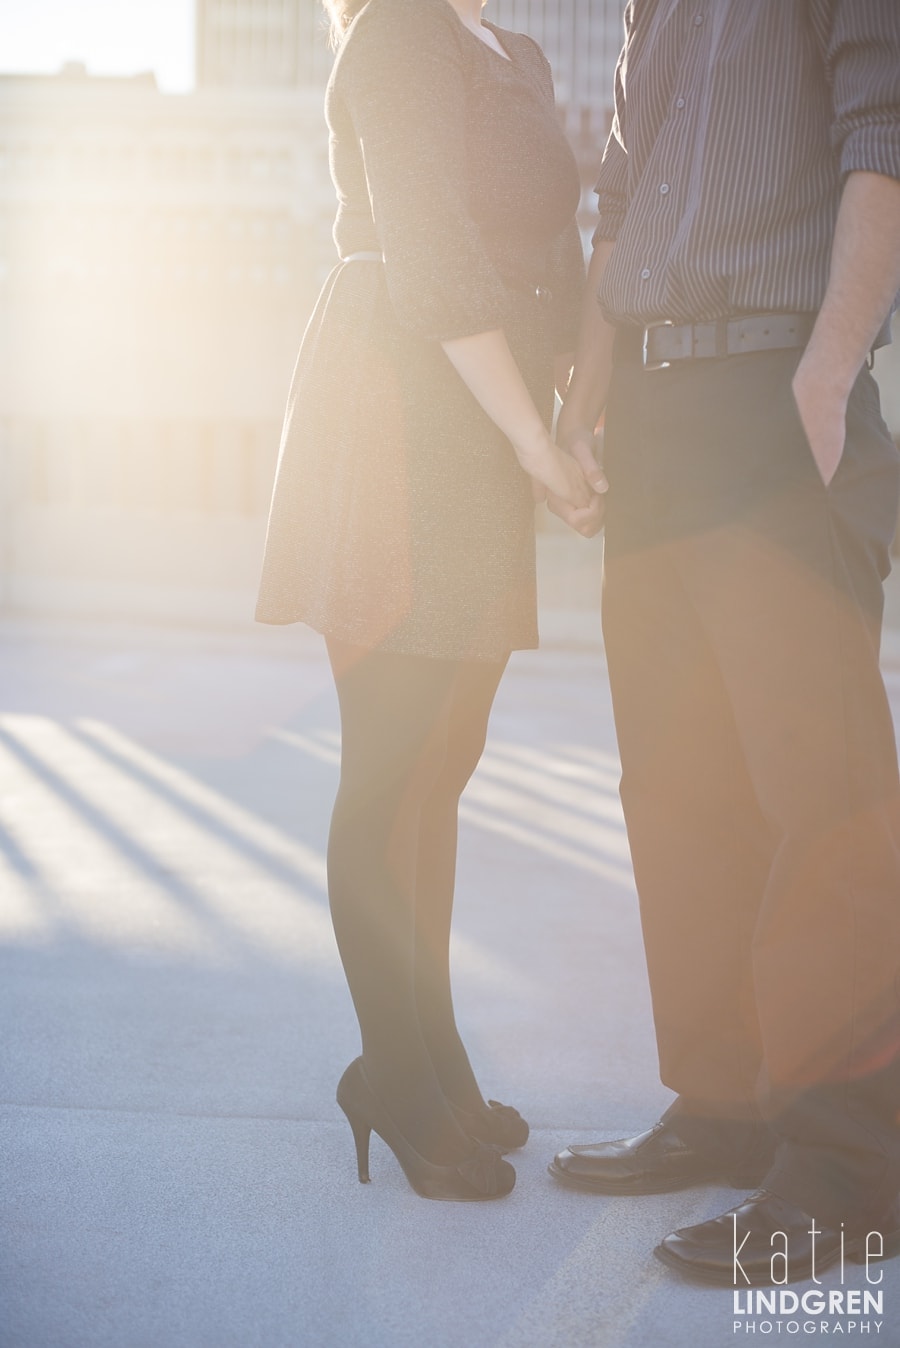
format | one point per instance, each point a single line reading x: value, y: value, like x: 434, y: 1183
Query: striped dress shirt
x: 735, y: 124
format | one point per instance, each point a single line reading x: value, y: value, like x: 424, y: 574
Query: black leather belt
x: 661, y: 344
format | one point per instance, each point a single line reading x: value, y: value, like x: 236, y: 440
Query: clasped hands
x: 574, y: 488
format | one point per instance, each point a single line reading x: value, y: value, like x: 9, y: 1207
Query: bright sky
x: 112, y: 37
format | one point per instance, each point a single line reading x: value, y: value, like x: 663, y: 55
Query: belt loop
x: 648, y: 359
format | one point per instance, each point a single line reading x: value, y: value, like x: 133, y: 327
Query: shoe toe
x: 652, y: 1162
x: 506, y: 1125
x: 488, y: 1174
x: 579, y: 1161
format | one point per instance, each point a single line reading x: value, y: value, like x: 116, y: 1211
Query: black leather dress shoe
x: 741, y: 1248
x: 656, y: 1162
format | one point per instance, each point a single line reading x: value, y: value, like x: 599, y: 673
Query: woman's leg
x: 393, y: 711
x: 465, y: 729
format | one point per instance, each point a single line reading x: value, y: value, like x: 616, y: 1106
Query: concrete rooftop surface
x: 176, y: 1173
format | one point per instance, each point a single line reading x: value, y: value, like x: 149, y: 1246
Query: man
x: 745, y: 263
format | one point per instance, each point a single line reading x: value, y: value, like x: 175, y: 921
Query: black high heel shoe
x: 482, y: 1175
x: 497, y: 1125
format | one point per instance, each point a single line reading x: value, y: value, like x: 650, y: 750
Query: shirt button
x: 679, y: 102
x: 663, y: 189
x: 645, y: 274
x: 698, y: 19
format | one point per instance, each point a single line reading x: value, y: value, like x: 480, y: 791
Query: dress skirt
x: 401, y: 520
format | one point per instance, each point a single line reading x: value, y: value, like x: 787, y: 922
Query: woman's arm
x: 486, y: 366
x: 404, y: 83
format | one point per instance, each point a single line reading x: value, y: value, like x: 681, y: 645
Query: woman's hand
x: 555, y: 471
x: 585, y: 450
x: 486, y: 365
x: 587, y: 521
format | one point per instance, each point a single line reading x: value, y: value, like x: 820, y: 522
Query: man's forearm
x: 586, y: 396
x: 864, y: 278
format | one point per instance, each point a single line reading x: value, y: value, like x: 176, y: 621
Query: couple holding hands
x: 744, y: 265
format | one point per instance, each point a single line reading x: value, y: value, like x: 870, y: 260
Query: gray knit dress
x: 400, y: 518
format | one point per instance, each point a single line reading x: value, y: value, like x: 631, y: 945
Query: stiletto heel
x: 483, y: 1174
x: 361, y: 1134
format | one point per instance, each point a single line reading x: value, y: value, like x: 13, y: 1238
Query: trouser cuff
x: 741, y: 1141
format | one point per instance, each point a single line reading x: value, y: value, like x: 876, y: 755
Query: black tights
x: 413, y: 730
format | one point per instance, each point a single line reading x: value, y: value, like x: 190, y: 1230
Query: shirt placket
x: 670, y: 181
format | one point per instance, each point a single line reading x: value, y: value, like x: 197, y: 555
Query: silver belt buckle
x: 645, y: 356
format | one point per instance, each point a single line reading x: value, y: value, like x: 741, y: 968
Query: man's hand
x: 586, y: 449
x: 587, y: 520
x: 822, y: 409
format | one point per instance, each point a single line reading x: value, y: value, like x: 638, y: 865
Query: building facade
x: 582, y: 40
x: 282, y: 44
x: 159, y: 256
x: 261, y: 44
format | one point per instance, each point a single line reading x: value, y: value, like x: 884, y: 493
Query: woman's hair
x: 340, y: 12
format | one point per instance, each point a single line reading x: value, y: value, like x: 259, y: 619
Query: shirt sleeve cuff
x: 872, y: 149
x: 608, y: 225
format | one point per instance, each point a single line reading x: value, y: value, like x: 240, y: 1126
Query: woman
x: 402, y: 519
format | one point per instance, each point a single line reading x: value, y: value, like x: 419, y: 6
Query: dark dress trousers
x: 743, y: 598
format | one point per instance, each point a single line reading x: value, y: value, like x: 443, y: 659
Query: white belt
x: 363, y: 257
